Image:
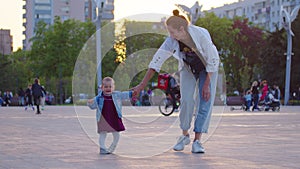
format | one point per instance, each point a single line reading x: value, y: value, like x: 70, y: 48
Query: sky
x: 11, y: 12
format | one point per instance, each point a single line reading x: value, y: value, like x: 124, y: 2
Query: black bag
x: 192, y: 60
x: 194, y: 63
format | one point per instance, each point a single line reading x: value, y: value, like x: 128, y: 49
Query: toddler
x: 109, y: 116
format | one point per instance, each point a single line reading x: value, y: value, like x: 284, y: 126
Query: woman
x: 198, y: 61
x: 255, y: 95
x: 264, y: 90
x: 37, y: 92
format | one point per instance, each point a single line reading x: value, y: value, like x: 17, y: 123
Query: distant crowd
x: 261, y: 92
x: 24, y: 97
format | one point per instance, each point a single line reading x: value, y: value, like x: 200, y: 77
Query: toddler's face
x: 108, y: 87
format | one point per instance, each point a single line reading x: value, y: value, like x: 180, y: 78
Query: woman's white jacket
x: 203, y: 42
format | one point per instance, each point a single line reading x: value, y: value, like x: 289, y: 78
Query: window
x: 64, y: 17
x: 42, y: 1
x: 42, y: 7
x: 65, y: 9
x: 42, y: 16
x: 45, y: 16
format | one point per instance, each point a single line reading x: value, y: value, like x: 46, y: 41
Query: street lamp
x: 104, y: 11
x: 99, y: 9
x: 2, y: 40
x: 193, y: 13
x: 287, y: 19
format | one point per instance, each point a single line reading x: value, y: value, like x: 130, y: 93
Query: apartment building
x: 47, y: 10
x: 6, y: 45
x: 264, y: 13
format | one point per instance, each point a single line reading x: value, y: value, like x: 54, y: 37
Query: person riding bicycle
x: 173, y: 90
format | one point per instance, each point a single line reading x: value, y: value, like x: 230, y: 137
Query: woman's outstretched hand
x: 136, y: 90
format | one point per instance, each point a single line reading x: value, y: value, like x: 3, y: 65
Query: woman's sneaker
x: 197, y: 147
x: 181, y: 142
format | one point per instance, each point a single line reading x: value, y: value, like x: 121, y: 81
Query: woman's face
x: 177, y: 34
x: 108, y: 87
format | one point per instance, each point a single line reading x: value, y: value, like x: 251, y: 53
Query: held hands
x: 90, y: 101
x: 136, y: 90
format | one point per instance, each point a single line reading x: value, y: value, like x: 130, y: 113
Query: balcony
x: 109, y: 7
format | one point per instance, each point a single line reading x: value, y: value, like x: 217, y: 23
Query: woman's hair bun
x: 175, y: 12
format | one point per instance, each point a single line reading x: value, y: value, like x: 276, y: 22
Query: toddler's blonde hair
x: 108, y: 79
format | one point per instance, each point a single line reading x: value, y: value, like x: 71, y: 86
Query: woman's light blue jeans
x: 191, y: 95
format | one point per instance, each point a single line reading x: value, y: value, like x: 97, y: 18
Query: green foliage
x: 220, y: 30
x: 240, y: 46
x: 245, y: 73
x: 55, y: 49
x: 142, y: 41
x: 273, y: 58
x: 5, y: 68
x: 250, y: 42
x: 295, y: 71
x: 15, y: 71
x: 224, y: 35
x: 244, y: 52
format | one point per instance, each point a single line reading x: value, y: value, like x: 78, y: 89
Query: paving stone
x: 64, y: 137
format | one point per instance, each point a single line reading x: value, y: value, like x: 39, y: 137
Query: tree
x: 224, y: 35
x: 250, y: 41
x: 274, y: 69
x: 240, y: 46
x: 5, y: 73
x: 295, y: 71
x: 55, y: 49
x: 273, y: 60
x: 15, y: 71
x: 141, y: 41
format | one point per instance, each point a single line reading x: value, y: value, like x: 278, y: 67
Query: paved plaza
x: 64, y: 137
